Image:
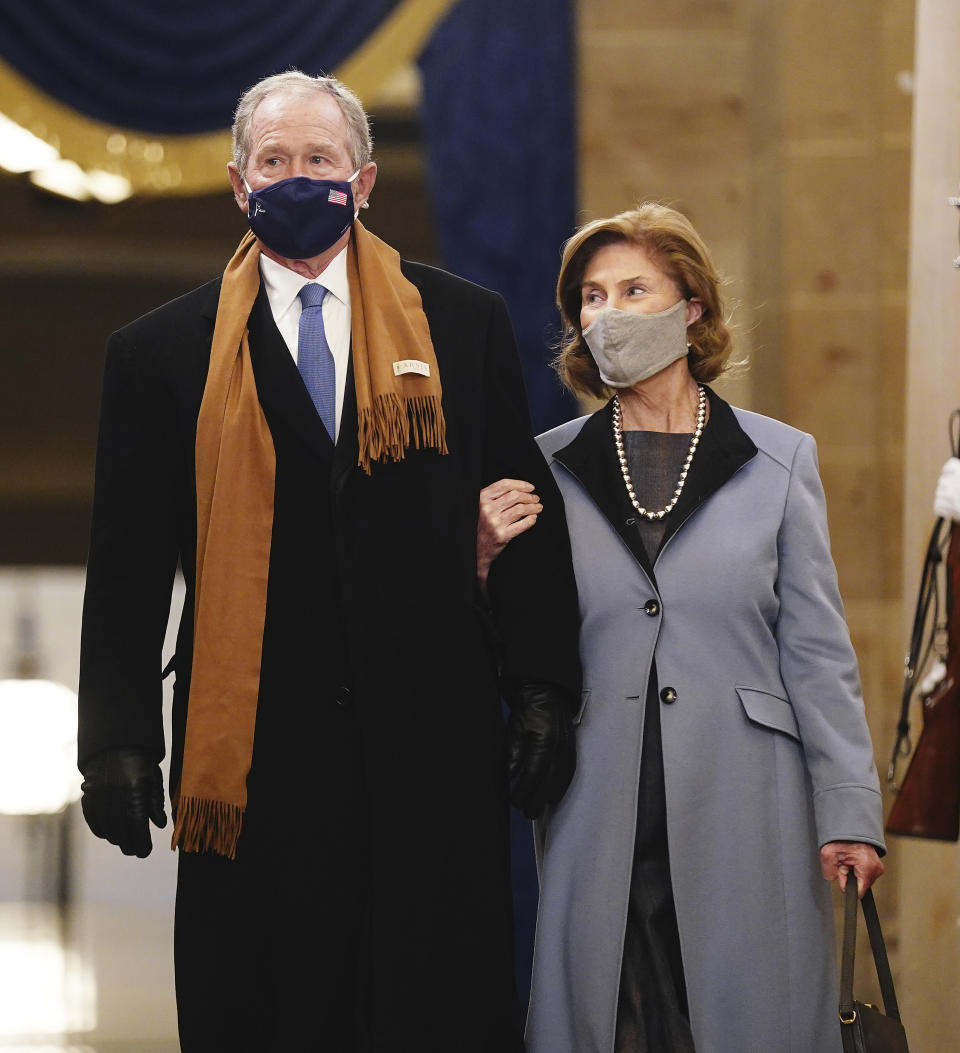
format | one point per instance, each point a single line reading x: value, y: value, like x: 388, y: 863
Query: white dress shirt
x: 283, y: 292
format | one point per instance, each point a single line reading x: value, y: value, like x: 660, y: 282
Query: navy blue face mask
x: 299, y: 218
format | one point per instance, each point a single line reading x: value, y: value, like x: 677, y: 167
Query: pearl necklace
x: 621, y: 456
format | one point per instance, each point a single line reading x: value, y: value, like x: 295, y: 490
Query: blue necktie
x: 314, y: 358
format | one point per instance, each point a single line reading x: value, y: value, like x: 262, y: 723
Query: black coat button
x: 652, y: 608
x: 343, y: 696
x: 668, y: 695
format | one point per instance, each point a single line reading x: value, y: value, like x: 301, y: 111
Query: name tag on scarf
x: 411, y: 365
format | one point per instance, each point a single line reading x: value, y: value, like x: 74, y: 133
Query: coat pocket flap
x: 584, y: 697
x: 769, y: 710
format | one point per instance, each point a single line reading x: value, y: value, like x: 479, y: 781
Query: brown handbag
x: 863, y: 1028
x: 928, y: 800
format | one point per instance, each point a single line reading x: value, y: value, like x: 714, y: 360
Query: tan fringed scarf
x: 398, y: 405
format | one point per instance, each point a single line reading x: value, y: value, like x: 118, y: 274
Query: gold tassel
x: 386, y: 429
x: 207, y: 826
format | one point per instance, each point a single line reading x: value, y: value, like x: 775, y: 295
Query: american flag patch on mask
x: 337, y: 197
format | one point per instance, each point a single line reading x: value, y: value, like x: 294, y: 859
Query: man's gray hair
x: 293, y: 82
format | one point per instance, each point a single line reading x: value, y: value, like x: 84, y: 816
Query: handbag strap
x: 877, y: 946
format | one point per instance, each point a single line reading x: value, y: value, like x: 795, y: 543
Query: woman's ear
x: 694, y: 310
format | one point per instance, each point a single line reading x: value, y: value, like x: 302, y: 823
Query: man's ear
x: 363, y: 185
x: 239, y: 190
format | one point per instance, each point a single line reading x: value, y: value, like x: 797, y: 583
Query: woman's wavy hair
x: 674, y: 246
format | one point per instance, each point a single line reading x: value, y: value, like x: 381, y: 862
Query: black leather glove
x: 122, y: 789
x: 541, y: 748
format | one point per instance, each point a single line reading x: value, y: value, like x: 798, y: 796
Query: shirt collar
x: 283, y: 285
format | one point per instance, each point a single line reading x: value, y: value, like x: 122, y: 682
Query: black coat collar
x: 724, y: 449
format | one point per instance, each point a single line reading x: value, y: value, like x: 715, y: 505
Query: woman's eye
x: 636, y: 290
x: 592, y: 297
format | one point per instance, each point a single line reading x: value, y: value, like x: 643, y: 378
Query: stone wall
x: 784, y: 132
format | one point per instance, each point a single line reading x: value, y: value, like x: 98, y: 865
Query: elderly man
x: 308, y: 435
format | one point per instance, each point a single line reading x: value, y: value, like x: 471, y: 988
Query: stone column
x: 929, y: 872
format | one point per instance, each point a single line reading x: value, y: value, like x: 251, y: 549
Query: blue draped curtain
x: 176, y: 67
x: 498, y: 117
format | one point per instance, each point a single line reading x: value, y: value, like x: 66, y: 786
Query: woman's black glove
x: 122, y: 789
x: 541, y: 748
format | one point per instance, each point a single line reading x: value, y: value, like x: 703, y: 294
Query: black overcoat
x: 376, y: 820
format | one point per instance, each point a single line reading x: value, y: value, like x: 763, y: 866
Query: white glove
x: 946, y: 498
x: 932, y: 680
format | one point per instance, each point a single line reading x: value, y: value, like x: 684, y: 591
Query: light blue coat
x: 766, y: 750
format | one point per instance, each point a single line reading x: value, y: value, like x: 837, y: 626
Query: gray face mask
x: 630, y: 347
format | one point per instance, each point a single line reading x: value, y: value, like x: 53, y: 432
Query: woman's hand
x: 838, y: 858
x: 508, y: 507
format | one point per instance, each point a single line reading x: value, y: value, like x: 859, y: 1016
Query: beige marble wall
x: 784, y: 131
x: 663, y: 114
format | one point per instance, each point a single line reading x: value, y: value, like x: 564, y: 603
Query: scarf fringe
x: 393, y: 422
x: 207, y: 826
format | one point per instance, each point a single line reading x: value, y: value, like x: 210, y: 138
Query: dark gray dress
x: 652, y: 1014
